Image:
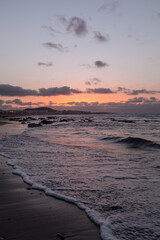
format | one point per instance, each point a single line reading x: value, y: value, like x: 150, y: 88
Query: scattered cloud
x: 76, y: 25
x: 49, y: 64
x: 142, y: 91
x: 57, y: 91
x: 146, y: 106
x: 1, y: 102
x: 20, y: 103
x: 100, y: 38
x: 136, y: 92
x: 93, y: 81
x: 58, y: 46
x: 100, y: 64
x: 136, y: 100
x: 15, y: 91
x: 143, y: 100
x: 8, y: 90
x: 88, y: 83
x: 50, y: 29
x: 109, y: 6
x: 158, y: 14
x: 100, y: 90
x: 52, y: 103
x: 86, y: 65
x: 133, y: 105
x: 62, y: 19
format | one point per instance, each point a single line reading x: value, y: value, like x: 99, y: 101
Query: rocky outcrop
x: 32, y: 125
x: 44, y: 121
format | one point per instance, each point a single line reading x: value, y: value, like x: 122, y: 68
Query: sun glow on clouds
x: 70, y: 58
x: 62, y: 100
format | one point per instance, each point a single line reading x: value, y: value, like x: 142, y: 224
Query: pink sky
x: 86, y: 55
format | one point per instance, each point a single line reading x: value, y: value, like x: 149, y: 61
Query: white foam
x: 104, y: 225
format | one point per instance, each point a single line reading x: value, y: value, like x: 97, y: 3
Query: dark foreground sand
x: 27, y: 214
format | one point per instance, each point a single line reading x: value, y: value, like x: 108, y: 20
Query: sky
x: 93, y: 55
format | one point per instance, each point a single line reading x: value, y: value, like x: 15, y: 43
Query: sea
x: 106, y: 164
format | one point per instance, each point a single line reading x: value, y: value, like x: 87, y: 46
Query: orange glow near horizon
x: 63, y: 100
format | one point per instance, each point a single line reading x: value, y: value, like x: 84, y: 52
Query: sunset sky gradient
x: 96, y: 55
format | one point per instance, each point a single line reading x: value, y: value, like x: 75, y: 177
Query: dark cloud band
x: 99, y: 90
x: 8, y: 90
x: 137, y: 92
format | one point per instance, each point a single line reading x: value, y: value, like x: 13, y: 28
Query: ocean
x: 106, y: 164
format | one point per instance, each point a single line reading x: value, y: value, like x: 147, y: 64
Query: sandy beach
x: 29, y: 214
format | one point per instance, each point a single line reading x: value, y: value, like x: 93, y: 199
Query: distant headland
x: 44, y: 111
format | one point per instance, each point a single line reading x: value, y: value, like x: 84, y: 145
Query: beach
x: 80, y: 177
x: 29, y: 214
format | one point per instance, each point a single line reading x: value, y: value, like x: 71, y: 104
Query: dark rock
x: 63, y: 120
x: 61, y: 235
x: 51, y: 117
x: 44, y: 121
x: 15, y: 119
x: 32, y: 125
x: 116, y: 207
x: 30, y: 118
x: 112, y: 208
x: 66, y: 120
x: 86, y: 120
x: 23, y: 122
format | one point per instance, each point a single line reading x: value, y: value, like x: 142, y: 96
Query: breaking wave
x: 135, y: 142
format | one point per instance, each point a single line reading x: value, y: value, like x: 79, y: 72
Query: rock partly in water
x: 44, y: 121
x: 66, y: 120
x: 32, y: 125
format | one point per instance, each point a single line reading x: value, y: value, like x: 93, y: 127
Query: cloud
x: 1, y: 102
x: 136, y: 100
x: 109, y: 6
x: 58, y: 47
x: 62, y: 19
x: 142, y: 100
x: 158, y: 15
x: 77, y: 25
x: 144, y: 91
x: 49, y: 64
x: 100, y: 64
x: 146, y: 106
x: 100, y: 38
x: 50, y: 29
x: 52, y: 103
x: 8, y: 90
x: 93, y: 81
x: 88, y: 83
x: 86, y: 65
x: 100, y: 90
x: 19, y: 102
x: 57, y: 91
x: 136, y: 92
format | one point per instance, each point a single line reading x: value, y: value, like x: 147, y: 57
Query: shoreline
x: 29, y: 214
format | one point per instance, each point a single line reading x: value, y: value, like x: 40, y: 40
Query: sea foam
x: 103, y: 224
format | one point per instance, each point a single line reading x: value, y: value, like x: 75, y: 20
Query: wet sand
x: 30, y: 215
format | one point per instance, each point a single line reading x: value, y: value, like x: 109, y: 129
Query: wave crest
x: 135, y: 142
